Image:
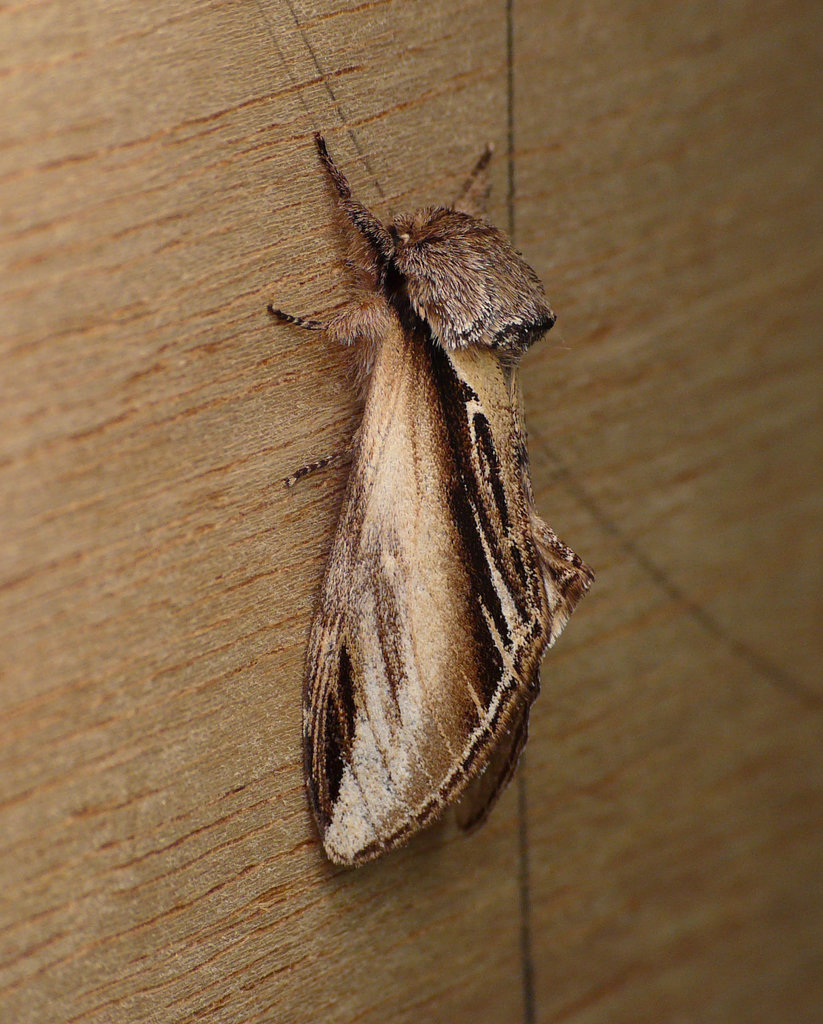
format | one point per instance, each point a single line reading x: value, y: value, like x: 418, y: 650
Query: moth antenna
x: 298, y: 321
x: 361, y: 217
x: 474, y: 193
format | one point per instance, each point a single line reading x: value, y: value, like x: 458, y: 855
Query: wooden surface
x: 157, y: 188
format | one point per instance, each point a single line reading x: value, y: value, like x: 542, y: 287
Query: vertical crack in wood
x: 524, y: 888
x: 523, y: 865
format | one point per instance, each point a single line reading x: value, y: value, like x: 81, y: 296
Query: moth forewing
x: 433, y: 614
x: 443, y: 588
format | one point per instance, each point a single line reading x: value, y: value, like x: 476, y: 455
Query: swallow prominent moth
x: 443, y: 588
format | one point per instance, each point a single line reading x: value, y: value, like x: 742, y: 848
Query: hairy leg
x: 313, y: 467
x: 298, y: 321
x: 360, y: 216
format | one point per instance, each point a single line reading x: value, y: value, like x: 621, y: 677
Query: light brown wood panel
x: 157, y: 188
x: 668, y: 189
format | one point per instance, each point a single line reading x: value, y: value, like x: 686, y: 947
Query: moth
x: 444, y: 587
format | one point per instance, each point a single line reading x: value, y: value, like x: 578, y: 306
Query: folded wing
x: 436, y: 606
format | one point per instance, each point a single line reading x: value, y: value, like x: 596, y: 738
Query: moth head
x: 467, y: 282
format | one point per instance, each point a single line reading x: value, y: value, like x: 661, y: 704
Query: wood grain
x: 157, y: 188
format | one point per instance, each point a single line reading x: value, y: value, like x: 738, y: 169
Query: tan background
x: 157, y: 188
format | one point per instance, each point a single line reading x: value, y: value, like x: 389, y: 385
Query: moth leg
x: 298, y: 321
x: 474, y: 194
x: 328, y: 460
x: 312, y: 467
x: 360, y: 216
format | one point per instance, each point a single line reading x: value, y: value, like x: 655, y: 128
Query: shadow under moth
x: 444, y: 587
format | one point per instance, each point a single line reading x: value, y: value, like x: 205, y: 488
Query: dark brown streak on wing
x: 453, y: 395
x: 338, y: 733
x: 390, y: 628
x: 471, y: 492
x: 491, y: 462
x: 524, y: 593
x: 523, y: 586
